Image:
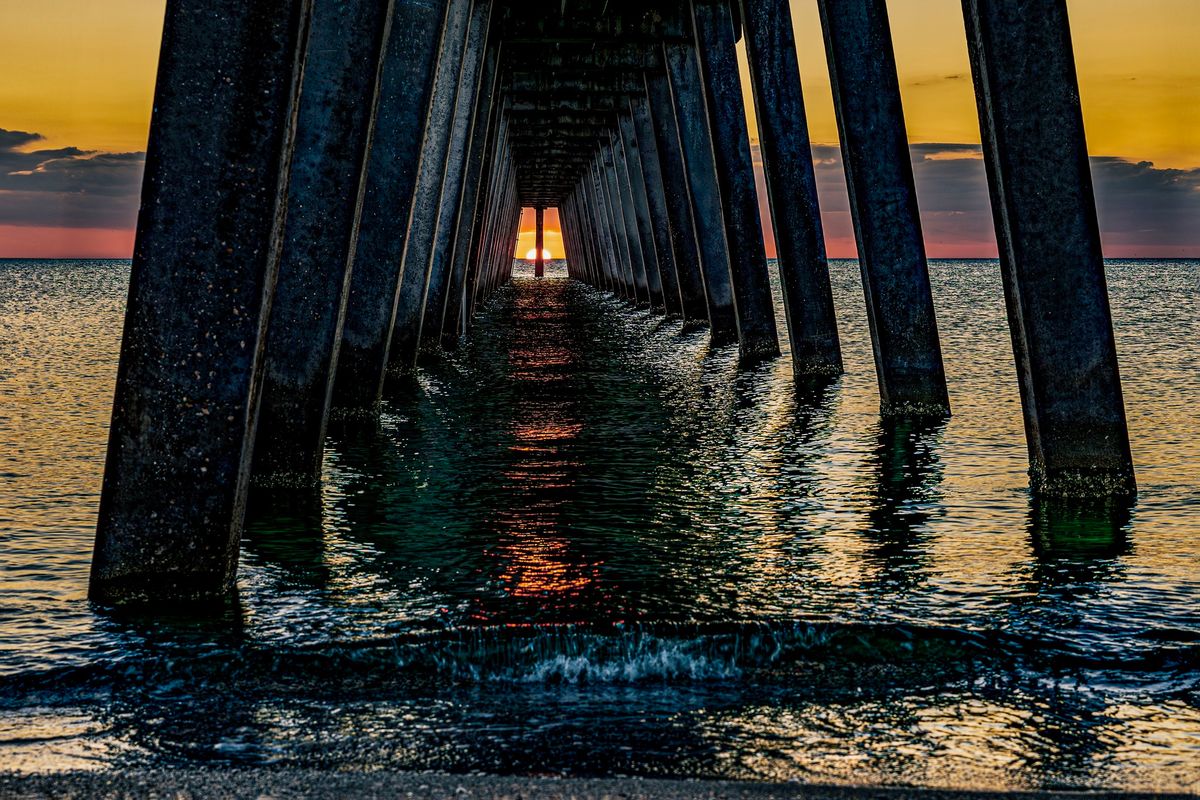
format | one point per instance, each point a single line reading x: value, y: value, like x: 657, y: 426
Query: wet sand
x: 301, y: 783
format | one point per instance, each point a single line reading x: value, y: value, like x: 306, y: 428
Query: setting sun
x: 532, y: 255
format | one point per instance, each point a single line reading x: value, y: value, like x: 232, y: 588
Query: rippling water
x: 586, y: 544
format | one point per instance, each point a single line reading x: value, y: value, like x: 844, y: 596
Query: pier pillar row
x: 427, y: 194
x: 483, y: 131
x: 887, y: 223
x: 622, y: 191
x: 599, y: 231
x: 1050, y: 251
x: 403, y: 108
x: 656, y: 203
x: 758, y: 336
x: 441, y: 256
x: 604, y: 229
x: 205, y: 261
x: 684, y: 246
x: 791, y: 187
x: 641, y: 210
x: 333, y: 139
x: 696, y: 147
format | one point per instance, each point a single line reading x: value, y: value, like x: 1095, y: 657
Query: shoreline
x: 273, y: 783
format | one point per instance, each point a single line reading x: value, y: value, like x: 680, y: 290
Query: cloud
x: 67, y: 187
x: 1143, y: 210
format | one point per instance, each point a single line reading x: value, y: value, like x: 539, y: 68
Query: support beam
x: 426, y: 204
x: 539, y: 269
x: 695, y: 144
x: 333, y: 138
x: 1050, y: 252
x: 679, y: 207
x: 437, y: 281
x: 624, y: 197
x: 204, y: 267
x: 641, y: 211
x: 887, y: 223
x: 483, y: 135
x: 791, y: 188
x: 751, y: 283
x: 656, y: 204
x: 405, y: 89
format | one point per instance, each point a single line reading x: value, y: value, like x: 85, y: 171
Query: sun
x: 532, y: 255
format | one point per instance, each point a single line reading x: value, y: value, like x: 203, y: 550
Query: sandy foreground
x: 199, y: 785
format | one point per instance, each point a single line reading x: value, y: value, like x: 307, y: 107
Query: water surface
x: 586, y: 544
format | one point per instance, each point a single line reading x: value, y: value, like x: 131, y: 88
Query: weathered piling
x: 696, y: 147
x: 755, y: 309
x: 624, y: 238
x: 791, y: 187
x: 427, y: 194
x: 656, y: 203
x: 437, y: 281
x: 403, y: 106
x: 483, y: 131
x: 333, y: 137
x: 204, y: 268
x: 887, y: 222
x: 641, y: 210
x: 623, y: 194
x: 684, y: 245
x: 1050, y: 251
x: 540, y: 244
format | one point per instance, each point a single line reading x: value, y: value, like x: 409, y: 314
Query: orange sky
x: 81, y: 73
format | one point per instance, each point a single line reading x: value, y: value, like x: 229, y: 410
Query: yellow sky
x: 81, y: 72
x: 1138, y: 61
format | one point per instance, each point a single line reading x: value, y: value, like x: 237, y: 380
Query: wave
x: 825, y: 657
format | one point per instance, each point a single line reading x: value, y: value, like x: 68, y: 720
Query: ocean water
x: 586, y: 544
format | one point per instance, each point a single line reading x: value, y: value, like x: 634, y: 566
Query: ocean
x: 586, y: 544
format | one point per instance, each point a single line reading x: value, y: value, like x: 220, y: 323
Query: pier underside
x: 335, y: 187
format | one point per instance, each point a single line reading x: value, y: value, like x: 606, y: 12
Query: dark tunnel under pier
x: 624, y: 116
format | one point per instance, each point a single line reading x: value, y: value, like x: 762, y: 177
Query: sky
x: 77, y: 81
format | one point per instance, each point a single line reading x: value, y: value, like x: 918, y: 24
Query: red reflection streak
x: 537, y: 557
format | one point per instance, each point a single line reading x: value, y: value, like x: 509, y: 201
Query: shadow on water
x: 904, y: 497
x: 286, y: 528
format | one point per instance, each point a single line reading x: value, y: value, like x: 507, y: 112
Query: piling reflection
x: 904, y: 498
x: 286, y: 528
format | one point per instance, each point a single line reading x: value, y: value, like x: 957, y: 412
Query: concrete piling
x: 483, y: 131
x: 1050, y: 252
x: 427, y: 194
x: 540, y: 244
x: 405, y: 88
x: 641, y: 210
x: 205, y: 262
x: 750, y: 281
x: 623, y: 194
x: 656, y: 204
x: 791, y: 188
x: 333, y: 138
x: 438, y: 277
x: 696, y: 147
x: 684, y: 245
x: 887, y: 223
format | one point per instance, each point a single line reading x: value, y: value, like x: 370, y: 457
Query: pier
x: 333, y: 188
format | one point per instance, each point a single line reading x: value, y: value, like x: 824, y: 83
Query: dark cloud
x: 66, y: 187
x: 1141, y: 207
